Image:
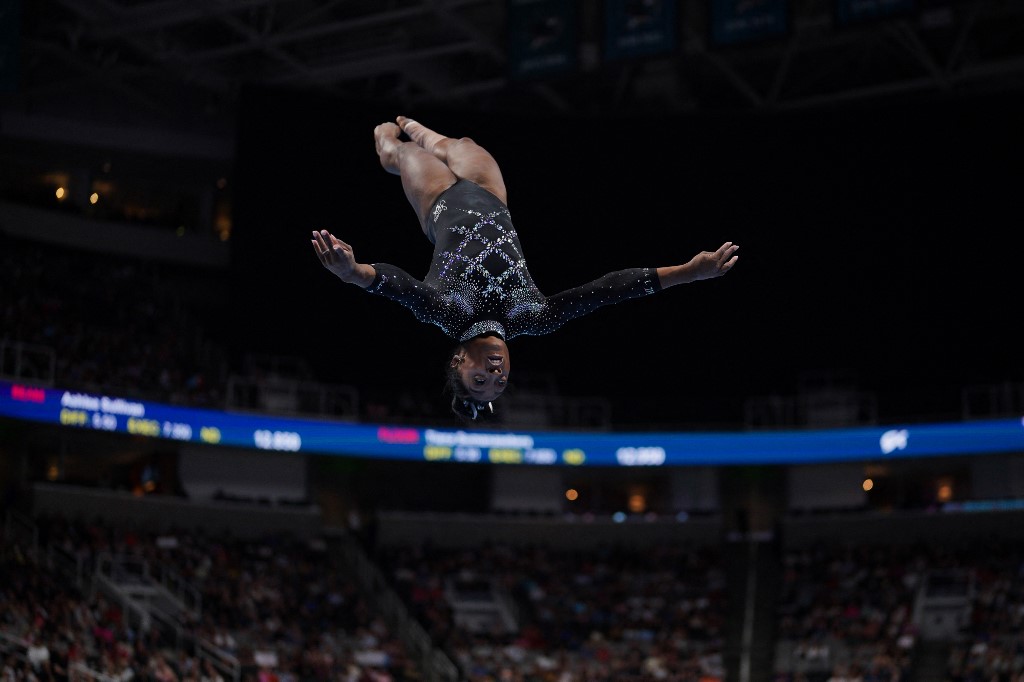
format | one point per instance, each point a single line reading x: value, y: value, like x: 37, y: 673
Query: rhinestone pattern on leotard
x: 478, y: 281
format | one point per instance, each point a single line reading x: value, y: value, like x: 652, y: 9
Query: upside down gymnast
x: 478, y: 290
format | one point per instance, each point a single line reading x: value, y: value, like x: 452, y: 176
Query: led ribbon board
x: 75, y: 409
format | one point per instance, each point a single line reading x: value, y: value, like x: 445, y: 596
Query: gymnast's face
x: 483, y: 367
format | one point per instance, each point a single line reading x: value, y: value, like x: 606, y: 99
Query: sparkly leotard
x: 478, y: 281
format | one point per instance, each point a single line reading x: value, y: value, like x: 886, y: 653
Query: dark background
x: 880, y: 243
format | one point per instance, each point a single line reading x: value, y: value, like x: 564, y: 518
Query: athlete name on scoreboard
x: 495, y: 448
x: 97, y: 412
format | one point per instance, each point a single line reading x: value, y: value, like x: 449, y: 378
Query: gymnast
x: 478, y: 290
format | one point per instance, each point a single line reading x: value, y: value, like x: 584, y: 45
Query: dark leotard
x: 478, y: 281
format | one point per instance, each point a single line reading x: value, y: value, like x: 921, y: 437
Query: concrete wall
x: 164, y: 513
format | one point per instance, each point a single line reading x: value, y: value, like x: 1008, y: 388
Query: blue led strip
x: 76, y: 409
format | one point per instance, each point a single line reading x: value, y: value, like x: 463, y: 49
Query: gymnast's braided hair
x: 464, y: 405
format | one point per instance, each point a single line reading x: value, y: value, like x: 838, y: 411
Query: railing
x: 20, y: 530
x: 123, y: 569
x: 113, y: 572
x: 28, y: 361
x: 182, y: 590
x: 169, y: 625
x: 118, y: 574
x: 80, y: 671
x: 9, y: 644
x: 992, y: 400
x: 542, y: 410
x: 292, y: 396
x: 436, y: 665
x: 277, y: 365
x: 132, y: 610
x: 224, y: 662
x: 770, y: 411
x: 509, y: 607
x: 71, y: 565
x: 817, y: 409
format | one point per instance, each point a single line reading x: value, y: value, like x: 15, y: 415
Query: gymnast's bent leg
x: 424, y: 175
x: 463, y: 156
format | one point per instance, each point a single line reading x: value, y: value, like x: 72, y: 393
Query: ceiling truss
x: 187, y: 62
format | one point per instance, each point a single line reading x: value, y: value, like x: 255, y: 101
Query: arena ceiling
x: 186, y: 62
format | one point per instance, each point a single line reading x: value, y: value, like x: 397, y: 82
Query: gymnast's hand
x: 705, y: 265
x: 708, y: 264
x: 338, y: 257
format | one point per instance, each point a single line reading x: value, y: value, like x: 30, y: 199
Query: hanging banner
x: 746, y: 21
x: 10, y: 44
x: 542, y: 37
x: 857, y: 11
x: 639, y: 28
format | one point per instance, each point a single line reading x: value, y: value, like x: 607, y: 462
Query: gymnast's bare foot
x: 423, y: 136
x: 385, y: 137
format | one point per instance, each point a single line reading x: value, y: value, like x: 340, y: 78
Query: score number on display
x: 277, y: 440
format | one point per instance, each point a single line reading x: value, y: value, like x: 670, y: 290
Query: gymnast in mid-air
x: 478, y: 289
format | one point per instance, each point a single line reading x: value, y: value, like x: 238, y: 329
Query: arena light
x: 944, y: 493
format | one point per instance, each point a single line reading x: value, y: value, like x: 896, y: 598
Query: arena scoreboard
x: 80, y: 410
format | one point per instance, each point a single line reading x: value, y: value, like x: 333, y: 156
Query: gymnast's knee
x: 461, y: 143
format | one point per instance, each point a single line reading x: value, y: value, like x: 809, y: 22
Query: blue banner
x: 542, y: 37
x: 76, y: 409
x: 636, y: 28
x: 746, y: 21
